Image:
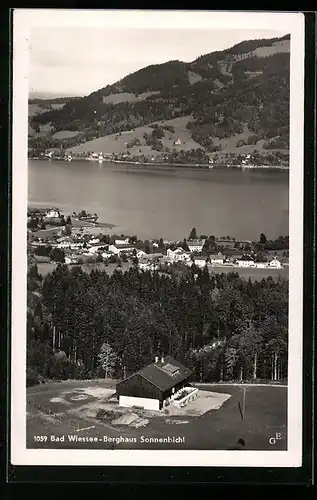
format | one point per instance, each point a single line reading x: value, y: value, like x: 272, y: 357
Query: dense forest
x: 221, y: 326
x: 230, y: 89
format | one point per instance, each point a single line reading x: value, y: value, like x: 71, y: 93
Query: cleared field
x: 58, y: 105
x: 254, y: 274
x: 35, y: 109
x: 127, y: 97
x: 65, y: 134
x: 277, y: 47
x: 115, y: 143
x: 194, y: 77
x: 88, y: 409
x: 45, y: 268
x: 229, y: 144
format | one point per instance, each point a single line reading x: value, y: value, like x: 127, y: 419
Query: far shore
x: 185, y: 165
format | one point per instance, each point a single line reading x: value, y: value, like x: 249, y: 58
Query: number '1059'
x: 40, y: 438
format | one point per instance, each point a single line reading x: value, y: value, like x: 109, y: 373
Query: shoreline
x: 184, y: 165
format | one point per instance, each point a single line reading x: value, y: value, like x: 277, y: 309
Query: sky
x: 75, y: 61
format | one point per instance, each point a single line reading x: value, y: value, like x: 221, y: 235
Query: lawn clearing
x: 265, y: 414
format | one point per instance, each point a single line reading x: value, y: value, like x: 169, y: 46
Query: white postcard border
x: 24, y: 20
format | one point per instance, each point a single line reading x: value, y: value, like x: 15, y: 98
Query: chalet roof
x: 179, y: 251
x: 164, y: 375
x: 247, y: 258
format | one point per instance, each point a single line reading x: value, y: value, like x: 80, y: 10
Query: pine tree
x: 230, y: 359
x: 107, y: 359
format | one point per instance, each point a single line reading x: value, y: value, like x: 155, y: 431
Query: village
x: 176, y: 157
x: 80, y: 240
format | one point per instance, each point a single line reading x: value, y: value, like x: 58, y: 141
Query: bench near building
x: 157, y: 385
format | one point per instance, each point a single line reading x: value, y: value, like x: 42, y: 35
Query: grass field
x: 61, y: 410
x: 255, y: 274
x: 127, y: 97
x: 118, y: 143
x: 45, y: 268
x: 65, y: 134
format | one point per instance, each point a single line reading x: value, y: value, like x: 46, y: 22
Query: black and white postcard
x: 157, y: 233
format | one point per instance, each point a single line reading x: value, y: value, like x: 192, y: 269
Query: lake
x: 166, y: 201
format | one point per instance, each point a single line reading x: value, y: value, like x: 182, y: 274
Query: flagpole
x: 243, y: 411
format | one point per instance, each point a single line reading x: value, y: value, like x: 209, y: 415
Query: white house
x: 246, y: 261
x: 63, y: 238
x: 200, y: 261
x: 146, y: 265
x: 275, y: 264
x: 157, y: 386
x: 122, y: 241
x: 119, y: 249
x: 217, y: 259
x: 195, y: 245
x: 71, y: 259
x: 150, y: 262
x: 53, y: 213
x: 261, y: 265
x: 178, y: 255
x: 70, y: 244
x: 64, y: 244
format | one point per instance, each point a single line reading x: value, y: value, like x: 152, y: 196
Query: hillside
x: 235, y: 100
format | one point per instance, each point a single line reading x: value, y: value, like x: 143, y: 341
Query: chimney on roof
x: 156, y: 359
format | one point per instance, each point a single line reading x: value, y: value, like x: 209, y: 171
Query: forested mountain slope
x: 241, y: 92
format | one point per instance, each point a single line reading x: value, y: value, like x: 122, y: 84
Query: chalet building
x: 156, y: 385
x: 178, y: 255
x: 195, y: 245
x: 150, y: 261
x: 53, y: 213
x: 246, y: 261
x: 146, y: 265
x: 121, y: 249
x: 217, y: 259
x: 122, y: 241
x: 275, y: 264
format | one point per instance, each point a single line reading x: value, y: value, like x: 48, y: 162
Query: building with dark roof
x: 153, y: 386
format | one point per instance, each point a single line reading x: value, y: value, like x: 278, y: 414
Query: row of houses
x: 153, y: 261
x: 79, y: 246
